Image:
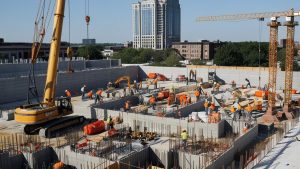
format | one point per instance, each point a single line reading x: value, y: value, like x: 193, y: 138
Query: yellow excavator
x: 47, y: 116
x: 120, y: 79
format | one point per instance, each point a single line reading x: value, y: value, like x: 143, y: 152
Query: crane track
x: 49, y: 128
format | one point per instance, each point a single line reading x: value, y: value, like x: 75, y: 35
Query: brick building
x: 203, y: 50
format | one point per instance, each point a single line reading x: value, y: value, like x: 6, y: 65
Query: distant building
x: 156, y: 23
x: 1, y: 40
x: 128, y: 44
x: 16, y: 52
x: 88, y: 41
x: 282, y: 43
x: 195, y: 50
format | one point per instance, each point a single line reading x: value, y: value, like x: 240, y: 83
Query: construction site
x: 104, y: 115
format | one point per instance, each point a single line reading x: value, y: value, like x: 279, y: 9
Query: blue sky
x: 111, y: 20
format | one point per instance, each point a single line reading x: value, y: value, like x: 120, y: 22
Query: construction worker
x: 135, y: 86
x: 90, y: 94
x: 98, y: 96
x: 155, y: 83
x: 140, y: 85
x: 248, y: 83
x: 233, y: 111
x: 109, y: 85
x: 197, y: 94
x: 239, y: 110
x: 212, y: 108
x: 248, y: 111
x: 184, y: 136
x: 127, y: 105
x: 68, y: 94
x: 83, y: 90
x: 152, y: 102
x: 109, y: 122
x: 206, y: 103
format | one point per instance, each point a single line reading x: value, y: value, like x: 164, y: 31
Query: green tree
x: 281, y: 54
x: 172, y: 59
x: 228, y: 55
x: 127, y: 55
x: 144, y: 56
x: 90, y: 52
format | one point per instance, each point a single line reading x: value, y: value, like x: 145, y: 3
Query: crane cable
x: 39, y: 29
x: 87, y: 20
x: 69, y: 49
x: 87, y: 16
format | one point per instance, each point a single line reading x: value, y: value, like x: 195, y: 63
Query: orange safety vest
x: 232, y: 109
x: 99, y: 92
x: 249, y: 108
x: 197, y: 93
x: 152, y: 100
x: 206, y: 104
x: 90, y: 94
x: 127, y: 105
x: 68, y: 93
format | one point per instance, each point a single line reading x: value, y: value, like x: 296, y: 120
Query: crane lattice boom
x: 248, y: 16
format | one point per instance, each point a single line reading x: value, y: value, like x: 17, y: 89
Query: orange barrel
x: 94, y: 128
x: 259, y: 93
x: 58, y: 165
x: 152, y: 75
x: 294, y: 91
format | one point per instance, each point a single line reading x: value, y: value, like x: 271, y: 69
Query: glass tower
x: 156, y: 23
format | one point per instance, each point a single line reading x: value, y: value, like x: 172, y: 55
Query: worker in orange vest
x: 152, y: 102
x: 197, y: 94
x: 248, y: 111
x: 127, y: 105
x: 90, y: 94
x: 212, y: 108
x: 98, y: 96
x: 68, y: 94
x: 206, y: 103
x: 233, y: 111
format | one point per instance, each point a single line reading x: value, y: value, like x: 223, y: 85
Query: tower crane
x: 274, y: 24
x: 48, y: 115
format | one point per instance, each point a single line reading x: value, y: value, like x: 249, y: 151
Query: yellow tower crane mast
x: 274, y: 24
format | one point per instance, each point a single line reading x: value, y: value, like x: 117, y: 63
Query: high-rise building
x: 156, y: 23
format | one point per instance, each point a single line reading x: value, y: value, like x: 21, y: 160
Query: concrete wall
x: 15, y: 89
x: 239, y: 145
x: 226, y: 73
x: 165, y: 126
x: 14, y: 70
x: 14, y: 161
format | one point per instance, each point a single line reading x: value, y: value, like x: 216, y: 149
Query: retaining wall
x: 239, y: 144
x: 165, y: 126
x: 15, y: 70
x: 226, y: 73
x: 15, y: 89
